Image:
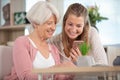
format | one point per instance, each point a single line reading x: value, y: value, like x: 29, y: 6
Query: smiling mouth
x: 50, y: 32
x: 72, y: 34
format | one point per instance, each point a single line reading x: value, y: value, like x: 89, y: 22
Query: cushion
x: 6, y: 61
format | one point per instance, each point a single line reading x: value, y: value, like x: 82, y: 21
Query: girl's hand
x: 75, y: 53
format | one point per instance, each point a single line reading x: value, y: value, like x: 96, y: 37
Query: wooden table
x: 105, y: 71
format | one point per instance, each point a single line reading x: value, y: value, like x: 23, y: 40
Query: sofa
x: 5, y: 60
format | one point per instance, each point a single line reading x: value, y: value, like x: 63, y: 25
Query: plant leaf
x: 84, y: 48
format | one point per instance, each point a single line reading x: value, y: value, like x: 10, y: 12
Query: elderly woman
x: 34, y: 50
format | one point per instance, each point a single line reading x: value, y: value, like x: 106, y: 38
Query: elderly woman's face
x: 74, y: 26
x: 47, y: 29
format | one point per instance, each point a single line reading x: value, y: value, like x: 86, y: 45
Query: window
x: 30, y: 3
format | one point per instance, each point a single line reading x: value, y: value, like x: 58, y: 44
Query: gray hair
x: 41, y: 12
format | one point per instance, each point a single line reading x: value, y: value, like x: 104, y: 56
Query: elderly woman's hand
x: 65, y: 64
x: 64, y: 76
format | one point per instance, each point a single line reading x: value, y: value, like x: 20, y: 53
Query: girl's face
x: 47, y: 29
x: 74, y: 26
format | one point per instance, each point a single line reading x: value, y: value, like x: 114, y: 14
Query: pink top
x: 23, y: 57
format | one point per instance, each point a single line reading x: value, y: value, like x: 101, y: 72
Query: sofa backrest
x: 6, y: 61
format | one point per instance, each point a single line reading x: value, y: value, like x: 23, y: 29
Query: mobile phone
x: 77, y: 43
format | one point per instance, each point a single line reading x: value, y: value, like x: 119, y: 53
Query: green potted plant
x: 84, y: 60
x: 95, y: 16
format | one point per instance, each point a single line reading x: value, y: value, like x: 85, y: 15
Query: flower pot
x: 84, y: 61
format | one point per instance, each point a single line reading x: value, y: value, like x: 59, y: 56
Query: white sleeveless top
x: 40, y: 61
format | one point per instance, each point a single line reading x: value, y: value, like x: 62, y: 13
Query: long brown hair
x: 79, y: 11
